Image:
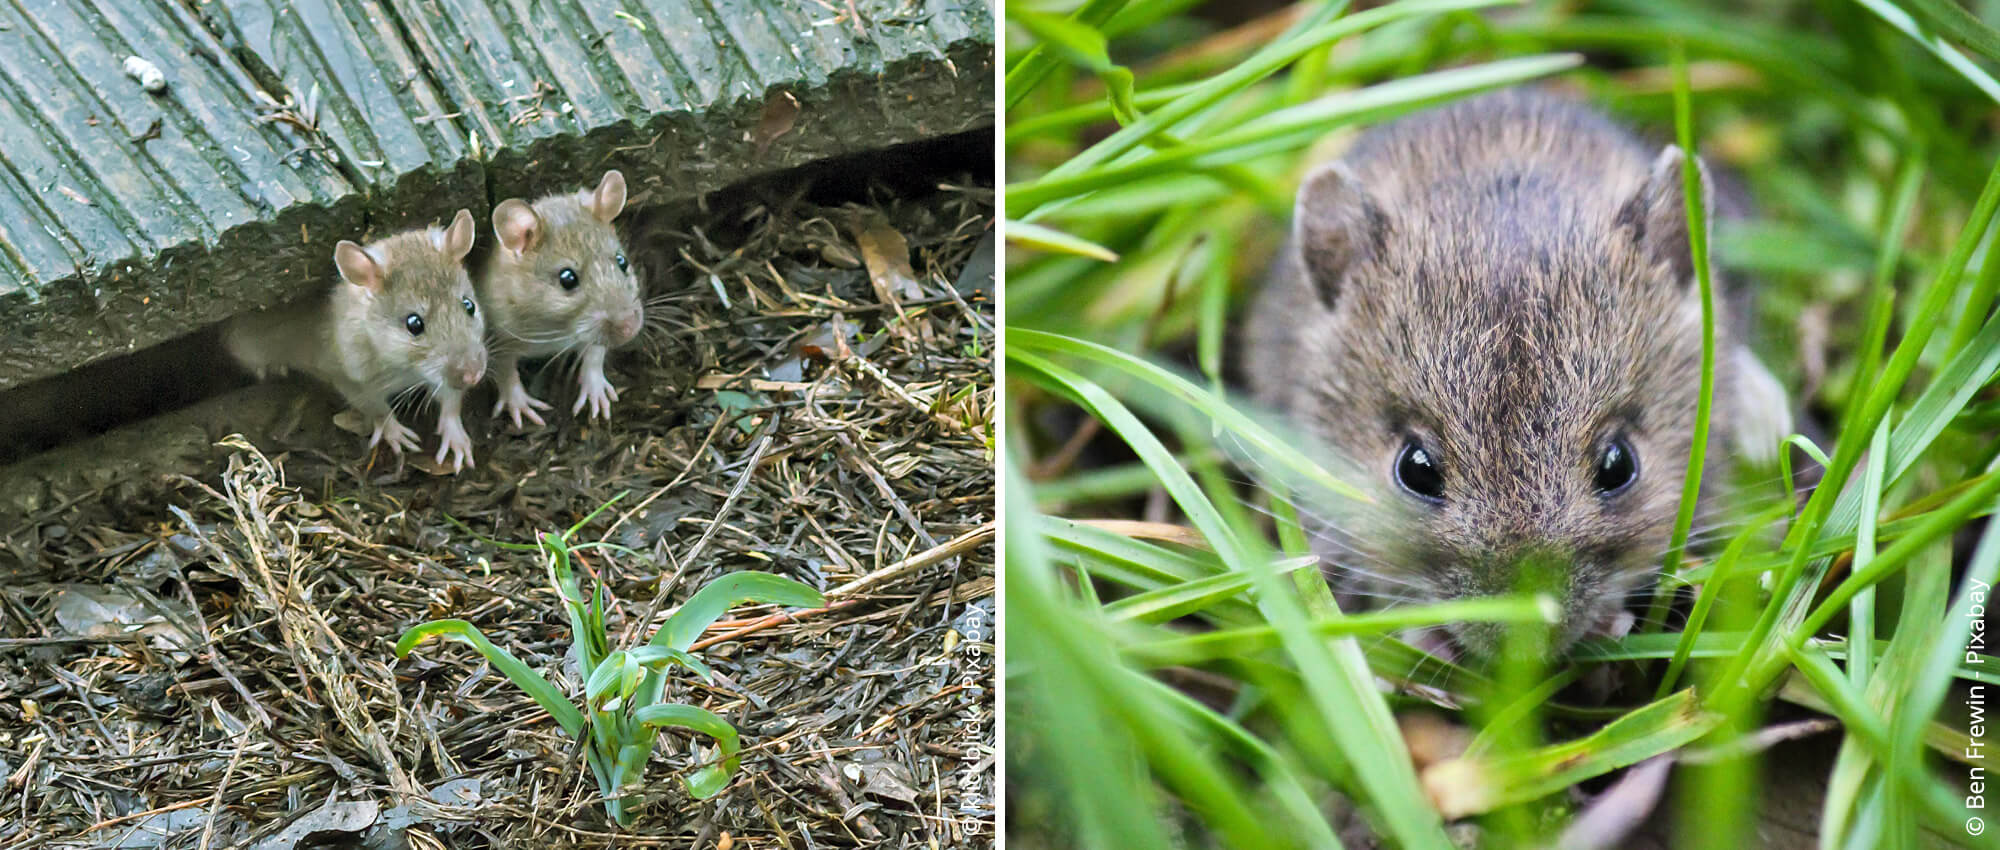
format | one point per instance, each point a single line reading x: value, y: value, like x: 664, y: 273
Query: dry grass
x: 748, y: 437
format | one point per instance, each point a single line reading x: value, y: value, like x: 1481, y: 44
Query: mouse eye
x: 621, y: 262
x: 1417, y: 472
x: 415, y: 323
x: 467, y: 301
x: 567, y: 277
x: 1617, y: 467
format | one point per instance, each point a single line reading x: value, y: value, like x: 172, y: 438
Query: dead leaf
x: 156, y: 829
x: 889, y: 780
x: 827, y: 342
x: 781, y: 111
x: 1432, y: 738
x: 1161, y: 531
x: 330, y: 818
x: 102, y: 612
x: 887, y: 255
x: 429, y: 463
x: 351, y: 422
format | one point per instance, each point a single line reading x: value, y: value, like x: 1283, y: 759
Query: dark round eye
x: 1617, y: 467
x: 568, y: 278
x: 1417, y: 472
x: 467, y: 301
x: 415, y: 323
x: 621, y: 262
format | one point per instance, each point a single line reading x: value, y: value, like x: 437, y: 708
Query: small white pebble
x: 147, y: 73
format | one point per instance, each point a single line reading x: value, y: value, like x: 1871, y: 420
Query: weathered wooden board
x: 287, y: 126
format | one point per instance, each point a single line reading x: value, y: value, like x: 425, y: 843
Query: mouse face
x: 1513, y: 373
x: 411, y: 302
x: 561, y: 277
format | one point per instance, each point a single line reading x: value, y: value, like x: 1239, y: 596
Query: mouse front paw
x: 398, y: 437
x: 595, y: 393
x: 517, y: 404
x: 453, y: 441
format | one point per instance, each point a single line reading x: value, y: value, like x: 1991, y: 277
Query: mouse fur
x: 359, y: 336
x: 544, y: 246
x: 1505, y: 282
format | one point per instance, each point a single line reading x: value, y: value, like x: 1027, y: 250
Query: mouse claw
x: 399, y: 438
x: 596, y: 393
x: 453, y: 441
x: 516, y: 403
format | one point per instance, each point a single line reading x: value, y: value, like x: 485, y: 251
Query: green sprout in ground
x: 622, y: 711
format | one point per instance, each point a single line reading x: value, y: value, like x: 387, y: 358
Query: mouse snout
x: 466, y: 369
x: 620, y: 328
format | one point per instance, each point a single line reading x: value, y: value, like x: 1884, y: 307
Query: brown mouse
x: 402, y: 318
x: 1491, y: 312
x: 560, y: 282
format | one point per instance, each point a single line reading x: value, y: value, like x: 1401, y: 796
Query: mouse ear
x: 517, y: 225
x: 1762, y: 411
x: 1656, y: 215
x: 457, y: 240
x: 357, y: 266
x: 609, y: 197
x: 1335, y: 225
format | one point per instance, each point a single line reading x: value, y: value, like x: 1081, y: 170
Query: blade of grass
x: 1468, y: 786
x: 1342, y: 688
x: 710, y: 780
x: 1227, y: 643
x: 1050, y: 239
x: 1292, y: 128
x: 1697, y: 229
x: 1181, y: 389
x: 544, y: 693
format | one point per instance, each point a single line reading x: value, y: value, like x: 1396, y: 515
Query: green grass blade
x: 1230, y: 643
x: 1256, y: 436
x: 1050, y: 239
x: 1697, y: 231
x: 657, y: 657
x: 1167, y: 603
x: 708, y: 604
x: 710, y: 780
x: 1474, y: 785
x: 1036, y: 64
x: 1293, y: 128
x: 1342, y: 688
x: 1317, y: 31
x: 1902, y: 20
x: 544, y: 693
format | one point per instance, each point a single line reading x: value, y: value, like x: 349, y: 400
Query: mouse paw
x: 517, y: 404
x: 453, y: 441
x: 596, y: 393
x: 398, y: 437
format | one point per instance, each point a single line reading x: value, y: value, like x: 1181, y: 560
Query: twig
x: 956, y: 546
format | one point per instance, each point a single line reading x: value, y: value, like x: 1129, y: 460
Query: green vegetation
x: 622, y: 712
x: 1188, y: 680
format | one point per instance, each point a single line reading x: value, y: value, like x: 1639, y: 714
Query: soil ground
x: 209, y: 661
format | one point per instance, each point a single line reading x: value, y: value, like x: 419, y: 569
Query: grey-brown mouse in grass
x: 403, y: 317
x: 1491, y: 312
x: 560, y: 282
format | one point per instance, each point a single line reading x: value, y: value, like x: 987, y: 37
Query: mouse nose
x: 469, y: 370
x: 623, y: 328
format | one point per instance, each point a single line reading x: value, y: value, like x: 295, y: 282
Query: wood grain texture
x: 128, y: 218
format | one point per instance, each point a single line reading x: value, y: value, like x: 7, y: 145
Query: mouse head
x: 412, y: 296
x: 1513, y: 368
x: 561, y: 275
